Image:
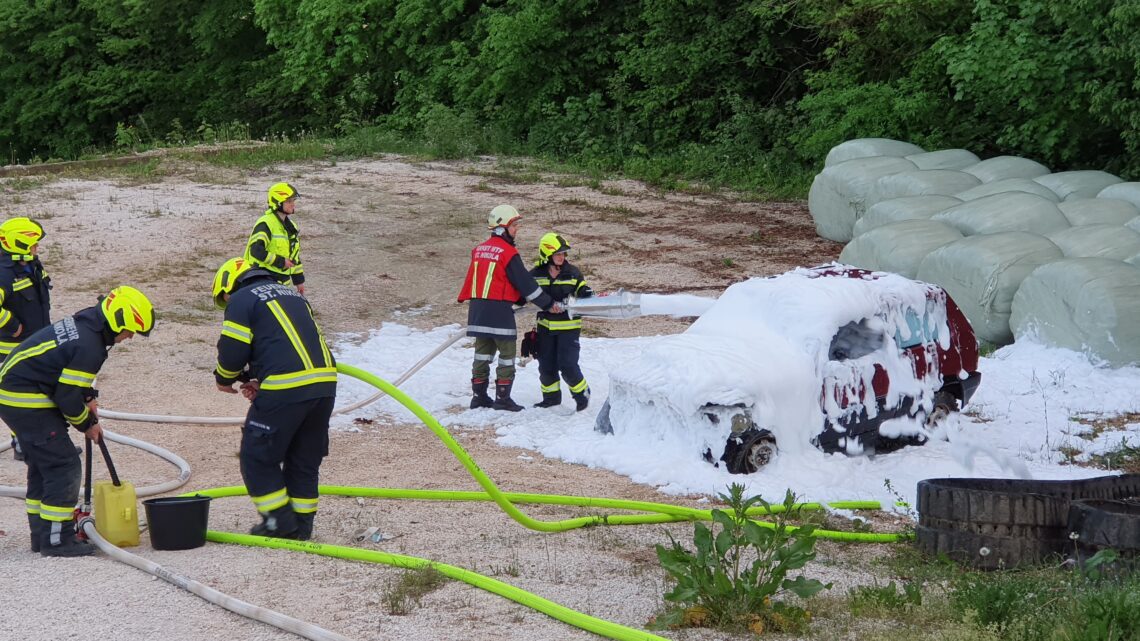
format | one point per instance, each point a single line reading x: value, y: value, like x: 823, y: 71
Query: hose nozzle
x: 620, y: 304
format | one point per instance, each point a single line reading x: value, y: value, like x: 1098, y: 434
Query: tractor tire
x: 1098, y: 525
x: 986, y: 552
x: 1018, y: 522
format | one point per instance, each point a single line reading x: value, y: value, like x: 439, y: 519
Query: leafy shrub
x: 718, y: 586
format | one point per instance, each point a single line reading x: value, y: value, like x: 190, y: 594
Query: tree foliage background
x: 714, y: 85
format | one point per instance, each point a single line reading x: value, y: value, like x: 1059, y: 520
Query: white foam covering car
x: 833, y: 357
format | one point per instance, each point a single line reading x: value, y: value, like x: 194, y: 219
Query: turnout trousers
x: 54, y: 469
x: 558, y: 354
x: 282, y: 446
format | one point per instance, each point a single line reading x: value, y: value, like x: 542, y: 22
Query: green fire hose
x: 656, y: 513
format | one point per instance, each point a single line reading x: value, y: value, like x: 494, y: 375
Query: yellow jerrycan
x: 116, y: 513
x: 116, y: 506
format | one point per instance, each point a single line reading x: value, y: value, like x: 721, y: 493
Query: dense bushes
x: 740, y: 83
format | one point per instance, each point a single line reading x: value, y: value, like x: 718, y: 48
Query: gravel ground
x: 380, y: 236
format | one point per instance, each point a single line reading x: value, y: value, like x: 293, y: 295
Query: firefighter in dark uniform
x: 46, y: 384
x: 272, y: 344
x: 496, y: 280
x: 275, y: 243
x: 25, y: 302
x: 558, y: 340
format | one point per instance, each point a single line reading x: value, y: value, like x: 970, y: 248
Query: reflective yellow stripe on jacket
x: 300, y: 378
x: 29, y: 400
x: 311, y: 373
x: 276, y: 243
x: 561, y: 325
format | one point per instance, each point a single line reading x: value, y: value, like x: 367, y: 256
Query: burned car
x: 832, y: 357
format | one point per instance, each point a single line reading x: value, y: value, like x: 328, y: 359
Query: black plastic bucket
x: 177, y: 522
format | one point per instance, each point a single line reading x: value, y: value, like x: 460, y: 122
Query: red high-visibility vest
x: 487, y: 274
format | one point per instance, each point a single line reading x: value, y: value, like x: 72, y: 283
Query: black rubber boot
x: 35, y: 524
x: 305, y: 526
x: 582, y: 401
x: 17, y: 452
x: 58, y: 539
x: 550, y: 399
x: 279, y: 524
x: 503, y: 399
x: 479, y: 391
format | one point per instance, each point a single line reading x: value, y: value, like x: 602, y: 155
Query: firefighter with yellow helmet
x: 25, y: 300
x: 557, y: 340
x: 271, y: 343
x: 275, y: 243
x: 47, y: 384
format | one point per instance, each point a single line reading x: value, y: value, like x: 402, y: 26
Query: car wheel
x: 749, y: 451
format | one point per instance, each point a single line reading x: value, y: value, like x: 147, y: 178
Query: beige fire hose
x: 249, y: 610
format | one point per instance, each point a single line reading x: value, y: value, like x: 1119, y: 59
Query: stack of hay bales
x: 1023, y: 251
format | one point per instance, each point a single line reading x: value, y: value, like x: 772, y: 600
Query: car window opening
x: 855, y: 340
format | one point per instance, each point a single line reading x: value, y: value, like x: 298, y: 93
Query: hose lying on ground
x: 265, y: 615
x: 150, y: 490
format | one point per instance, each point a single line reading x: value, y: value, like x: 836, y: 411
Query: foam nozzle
x: 620, y: 304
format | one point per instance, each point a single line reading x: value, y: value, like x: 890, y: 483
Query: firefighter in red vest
x: 496, y: 280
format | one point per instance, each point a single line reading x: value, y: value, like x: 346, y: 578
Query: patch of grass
x: 24, y: 183
x: 884, y: 601
x: 574, y: 202
x: 612, y: 191
x: 508, y: 176
x: 264, y: 155
x: 483, y: 187
x: 1125, y: 458
x: 728, y: 262
x: 407, y: 592
x: 1069, y: 454
x: 1100, y: 424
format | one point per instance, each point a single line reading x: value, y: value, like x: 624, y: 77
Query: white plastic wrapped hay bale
x: 1097, y: 241
x: 1007, y: 211
x: 1005, y: 167
x: 838, y: 193
x: 868, y: 147
x: 1098, y: 211
x: 921, y: 182
x: 898, y: 209
x: 1078, y: 184
x: 1129, y: 192
x: 982, y: 273
x: 1008, y: 184
x: 1085, y: 304
x: 943, y: 159
x: 898, y: 247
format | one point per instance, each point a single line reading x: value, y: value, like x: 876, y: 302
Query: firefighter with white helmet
x: 496, y: 280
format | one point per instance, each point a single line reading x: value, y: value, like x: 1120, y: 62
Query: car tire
x: 964, y: 515
x: 749, y: 451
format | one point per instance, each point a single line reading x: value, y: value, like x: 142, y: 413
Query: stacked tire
x: 1004, y: 523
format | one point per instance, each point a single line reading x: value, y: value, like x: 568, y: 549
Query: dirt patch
x: 384, y: 240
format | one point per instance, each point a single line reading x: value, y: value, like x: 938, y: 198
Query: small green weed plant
x: 736, y: 569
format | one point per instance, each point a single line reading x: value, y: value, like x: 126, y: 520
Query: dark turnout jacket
x: 55, y: 367
x: 269, y: 334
